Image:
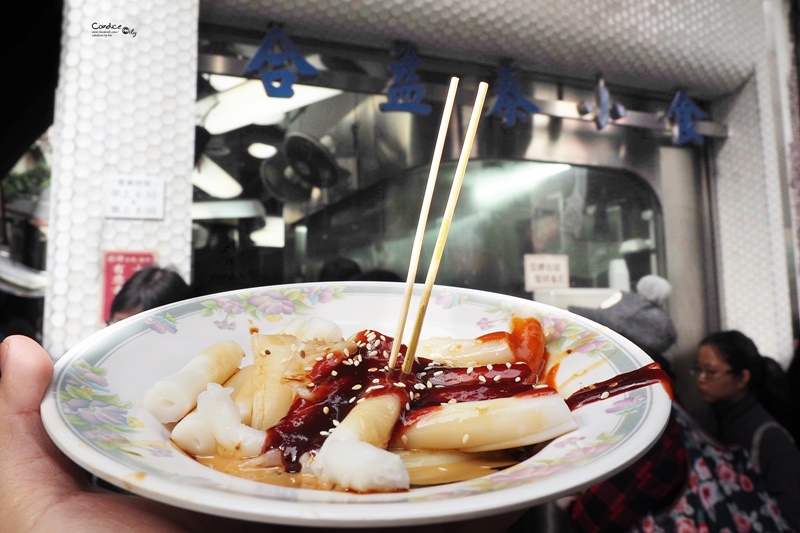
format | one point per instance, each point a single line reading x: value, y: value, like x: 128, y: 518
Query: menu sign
x: 138, y: 197
x: 546, y: 271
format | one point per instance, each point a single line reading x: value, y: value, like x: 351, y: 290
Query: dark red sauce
x: 342, y: 379
x: 641, y: 377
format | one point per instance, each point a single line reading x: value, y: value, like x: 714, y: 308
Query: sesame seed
x: 347, y: 362
x: 489, y: 367
x: 404, y: 439
x: 429, y: 384
x: 351, y: 400
x: 452, y: 400
x: 318, y: 358
x: 604, y: 395
x: 334, y: 373
x: 372, y: 369
x: 517, y: 379
x: 508, y: 365
x: 408, y: 406
x: 438, y: 373
x: 326, y: 410
x: 497, y: 378
x: 324, y: 433
x: 400, y: 384
x: 329, y: 356
x: 465, y: 438
x: 360, y: 400
x: 357, y: 386
x: 482, y: 379
x: 335, y: 422
x: 469, y: 370
x: 443, y: 469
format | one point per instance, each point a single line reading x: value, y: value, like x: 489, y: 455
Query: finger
x: 26, y: 370
x: 26, y: 450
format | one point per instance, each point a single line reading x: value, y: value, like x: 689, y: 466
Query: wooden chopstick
x: 423, y: 218
x: 436, y: 259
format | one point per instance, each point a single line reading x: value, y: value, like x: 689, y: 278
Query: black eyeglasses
x: 708, y: 373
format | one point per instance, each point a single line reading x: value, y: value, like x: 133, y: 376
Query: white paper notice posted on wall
x: 139, y: 197
x: 546, y: 271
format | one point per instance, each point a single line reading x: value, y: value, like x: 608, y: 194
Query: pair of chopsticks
x: 436, y: 259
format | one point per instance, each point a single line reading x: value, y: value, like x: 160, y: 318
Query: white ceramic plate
x: 93, y: 409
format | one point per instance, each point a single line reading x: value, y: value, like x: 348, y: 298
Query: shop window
x: 506, y: 209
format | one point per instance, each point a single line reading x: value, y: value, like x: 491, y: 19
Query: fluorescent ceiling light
x: 506, y: 183
x: 261, y: 150
x: 221, y: 82
x: 230, y: 209
x: 248, y: 103
x: 272, y: 235
x: 213, y: 180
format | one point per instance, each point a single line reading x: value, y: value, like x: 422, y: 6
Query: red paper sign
x: 118, y: 266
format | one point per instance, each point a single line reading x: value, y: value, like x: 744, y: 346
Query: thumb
x: 26, y: 369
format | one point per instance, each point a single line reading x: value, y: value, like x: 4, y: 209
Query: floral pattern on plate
x: 98, y: 388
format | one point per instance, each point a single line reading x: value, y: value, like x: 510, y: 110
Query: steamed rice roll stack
x: 170, y: 398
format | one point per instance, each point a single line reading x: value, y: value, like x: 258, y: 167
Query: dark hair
x: 148, y: 288
x: 377, y: 274
x: 768, y: 381
x: 339, y: 269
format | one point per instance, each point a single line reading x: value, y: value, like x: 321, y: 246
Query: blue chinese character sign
x: 684, y: 113
x: 274, y: 60
x: 510, y: 105
x: 606, y: 111
x: 405, y: 91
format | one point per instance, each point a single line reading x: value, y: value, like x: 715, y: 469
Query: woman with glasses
x: 746, y: 397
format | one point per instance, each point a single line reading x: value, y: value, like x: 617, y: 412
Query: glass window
x: 506, y: 209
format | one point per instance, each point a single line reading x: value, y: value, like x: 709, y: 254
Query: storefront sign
x: 274, y: 61
x: 405, y: 92
x: 510, y: 105
x: 685, y: 113
x: 118, y: 266
x: 603, y: 109
x: 135, y: 197
x: 546, y: 271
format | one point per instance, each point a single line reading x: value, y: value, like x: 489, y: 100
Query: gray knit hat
x: 640, y: 317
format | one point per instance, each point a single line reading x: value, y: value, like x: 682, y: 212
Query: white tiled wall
x: 124, y: 107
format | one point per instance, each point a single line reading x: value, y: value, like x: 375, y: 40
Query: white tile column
x: 124, y: 108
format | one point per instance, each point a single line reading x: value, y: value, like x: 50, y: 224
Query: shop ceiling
x: 708, y: 48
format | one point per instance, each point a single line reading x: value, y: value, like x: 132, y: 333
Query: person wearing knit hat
x: 640, y: 316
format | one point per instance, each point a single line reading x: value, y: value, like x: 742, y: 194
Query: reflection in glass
x: 506, y: 209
